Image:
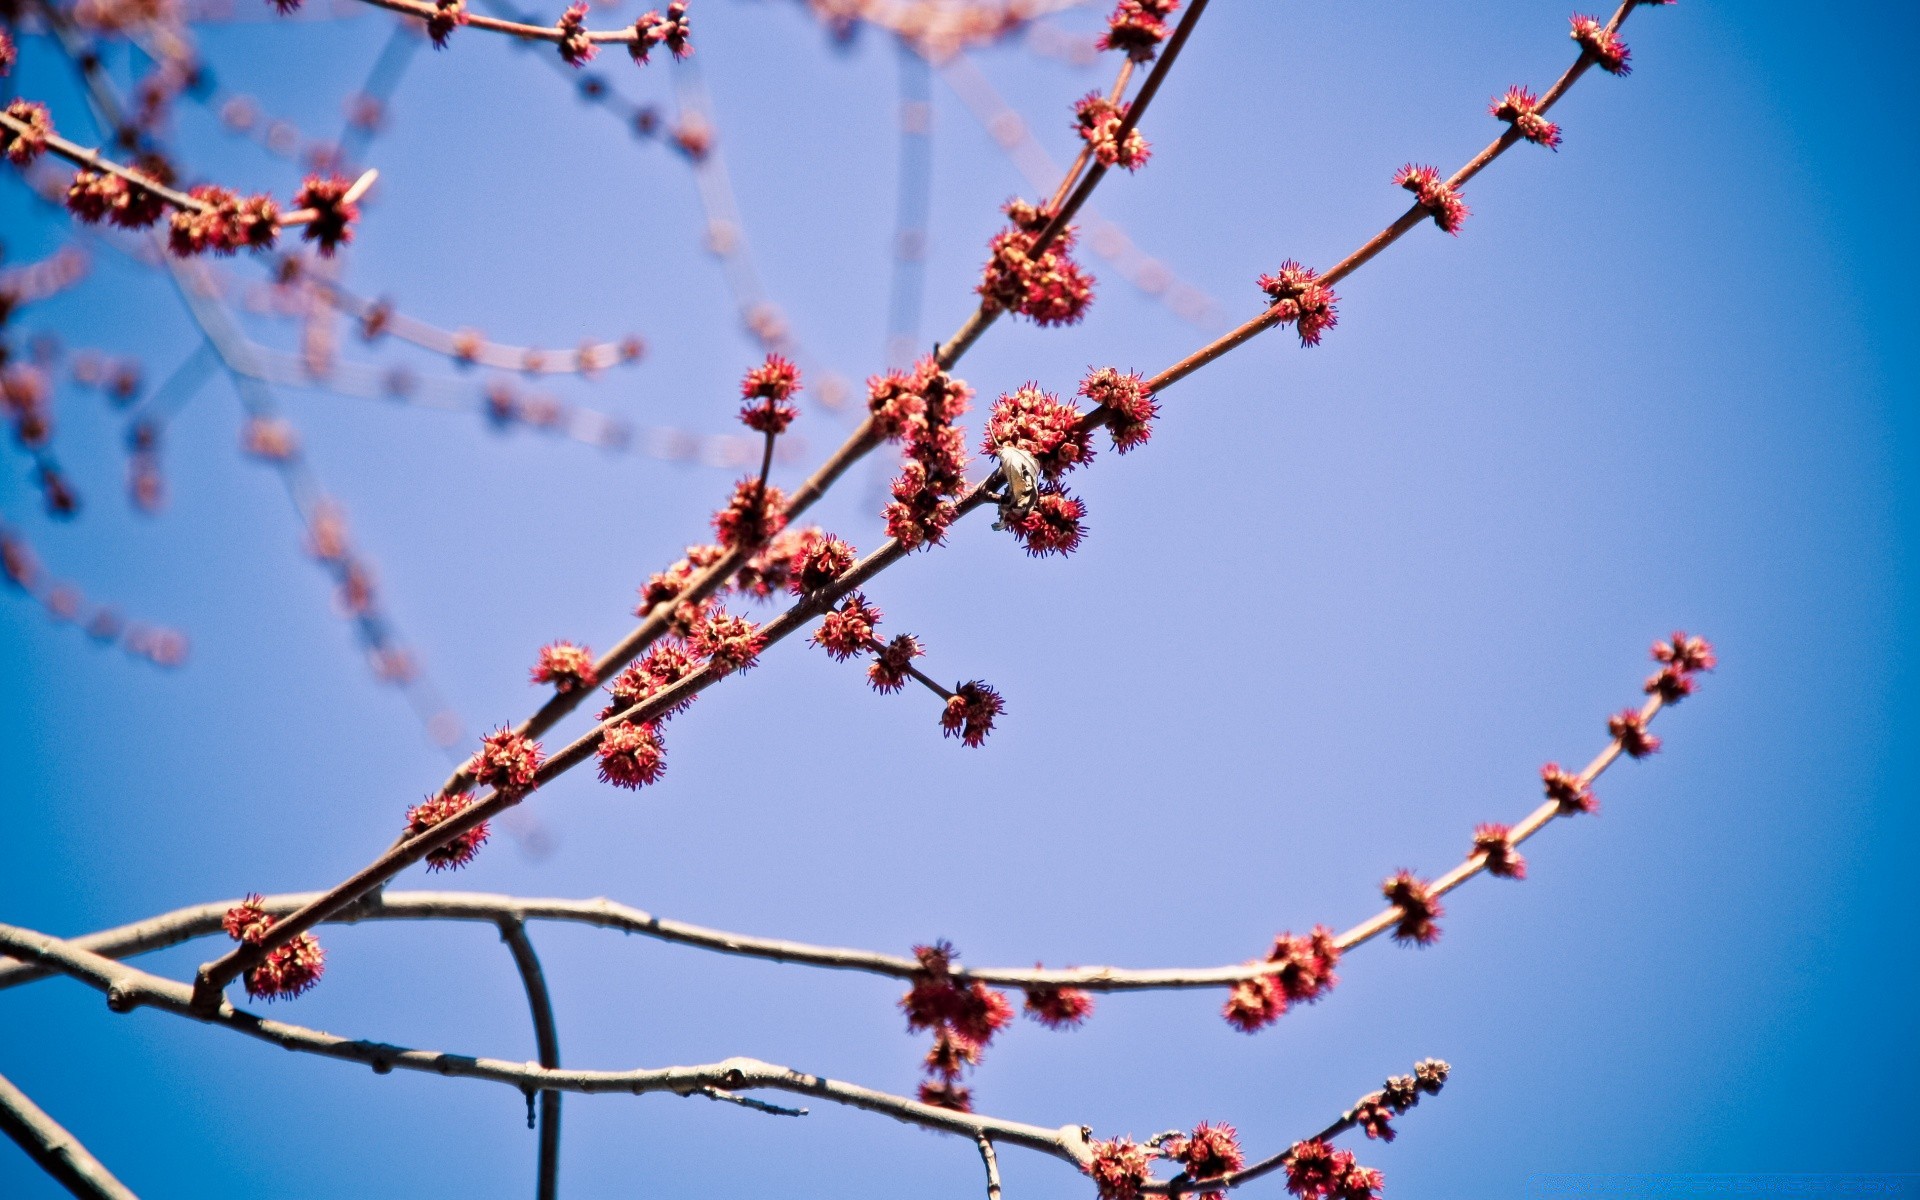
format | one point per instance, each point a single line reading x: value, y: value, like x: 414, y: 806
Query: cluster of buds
x: 576, y: 45
x: 228, y: 224
x: 1210, y: 1151
x: 1047, y: 287
x: 1318, y: 1171
x: 633, y: 754
x: 1419, y: 908
x: 24, y: 132
x: 289, y: 969
x: 970, y: 713
x: 332, y: 206
x: 767, y: 391
x: 753, y: 515
x: 461, y: 849
x: 1305, y: 975
x: 963, y: 1017
x: 1300, y: 299
x: 565, y: 666
x: 1098, y: 121
x: 1681, y: 658
x: 1494, y: 844
x: 921, y: 410
x: 507, y: 761
x: 851, y: 629
x: 665, y: 587
x: 671, y: 31
x: 1058, y: 1007
x: 447, y: 16
x: 1609, y: 53
x: 1375, y: 1112
x: 1047, y: 436
x: 1436, y: 195
x: 24, y: 393
x: 1128, y: 407
x: 1121, y: 1167
x: 1520, y: 108
x: 1137, y: 27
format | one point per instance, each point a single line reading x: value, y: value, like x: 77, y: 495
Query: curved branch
x: 57, y: 1152
x: 546, y: 1040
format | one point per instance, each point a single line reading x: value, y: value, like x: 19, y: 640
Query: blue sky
x: 1335, y: 614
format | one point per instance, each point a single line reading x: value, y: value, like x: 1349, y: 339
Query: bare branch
x: 546, y: 1040
x: 58, y: 1152
x: 992, y: 1163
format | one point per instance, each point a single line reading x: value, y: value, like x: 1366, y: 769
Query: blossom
x: 1129, y: 407
x: 970, y: 712
x: 1305, y: 975
x: 893, y: 404
x: 665, y: 663
x: 1054, y: 524
x: 447, y: 16
x: 1119, y: 1167
x: 1039, y: 423
x: 817, y: 566
x: 652, y: 30
x: 1568, y: 791
x: 458, y: 851
x: 1629, y: 728
x: 1048, y: 289
x: 1496, y: 843
x: 228, y: 223
x: 1058, y: 1007
x: 576, y: 47
x: 889, y: 670
x: 767, y: 389
x: 1314, y: 1168
x: 1608, y: 51
x: 1419, y: 909
x: 947, y: 1094
x: 729, y: 643
x: 1434, y: 194
x: 1374, y: 1116
x: 963, y: 1016
x: 506, y: 761
x: 1671, y: 684
x: 1208, y: 1153
x: 663, y: 587
x: 289, y: 968
x: 1137, y: 27
x: 1520, y: 108
x: 1098, y: 121
x: 632, y: 755
x: 1686, y: 653
x: 1299, y: 297
x: 569, y: 668
x: 754, y: 513
x: 919, y: 514
x: 23, y: 145
x: 331, y: 224
x: 847, y: 630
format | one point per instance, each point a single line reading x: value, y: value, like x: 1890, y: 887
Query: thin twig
x: 546, y: 1040
x: 57, y: 1152
x: 992, y: 1163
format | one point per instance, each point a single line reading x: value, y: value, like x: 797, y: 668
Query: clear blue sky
x: 1337, y: 612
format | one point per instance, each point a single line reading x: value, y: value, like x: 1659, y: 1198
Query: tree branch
x: 546, y: 1039
x: 57, y: 1152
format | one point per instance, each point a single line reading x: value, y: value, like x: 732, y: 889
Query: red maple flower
x: 506, y: 761
x: 729, y: 643
x: 1684, y: 653
x: 576, y: 47
x: 1496, y: 843
x: 1373, y: 1115
x: 1299, y: 297
x: 848, y: 630
x: 1054, y: 525
x: 1130, y: 408
x: 1608, y: 51
x: 1520, y: 108
x: 288, y: 969
x: 1050, y: 289
x: 1038, y: 422
x: 1315, y: 1168
x: 1119, y: 1167
x: 888, y: 671
x: 819, y: 564
x: 1209, y: 1152
x: 775, y: 379
x: 893, y: 404
x: 1629, y: 728
x: 665, y: 663
x: 970, y: 712
x: 1254, y: 1004
x: 1419, y: 909
x: 1567, y: 790
x: 569, y: 668
x: 652, y: 29
x: 1098, y: 122
x: 946, y: 1094
x: 1671, y: 684
x: 333, y: 217
x: 1434, y: 194
x: 1307, y: 973
x: 463, y: 847
x: 752, y: 516
x: 919, y: 514
x: 1058, y: 1007
x: 21, y: 146
x: 632, y: 756
x: 448, y: 15
x: 1137, y: 27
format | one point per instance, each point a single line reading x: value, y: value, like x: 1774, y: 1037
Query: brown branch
x: 56, y: 1151
x: 546, y: 1039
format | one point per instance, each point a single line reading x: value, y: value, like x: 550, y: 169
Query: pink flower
x: 1299, y: 297
x: 728, y: 643
x: 1254, y: 1004
x: 1058, y: 1007
x: 1129, y: 407
x: 1039, y: 423
x: 1684, y: 653
x: 22, y: 146
x: 1098, y: 121
x: 888, y: 672
x: 1520, y: 108
x: 766, y: 389
x: 506, y: 761
x: 1050, y: 289
x: 1435, y: 195
x: 8, y: 54
x: 1137, y: 27
x: 463, y: 847
x: 1208, y: 1153
x: 1119, y: 1167
x: 1567, y: 791
x: 448, y: 15
x: 752, y: 516
x: 664, y: 664
x: 848, y: 630
x: 894, y: 404
x: 569, y: 668
x: 288, y: 969
x: 652, y: 30
x: 576, y: 48
x: 1419, y: 909
x: 1629, y: 728
x: 1671, y: 684
x: 1305, y: 976
x: 1608, y: 51
x: 969, y: 714
x: 1054, y: 526
x: 817, y: 566
x: 1496, y: 843
x: 632, y: 756
x: 1373, y: 1117
x: 333, y: 216
x: 946, y: 1094
x: 1314, y: 1168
